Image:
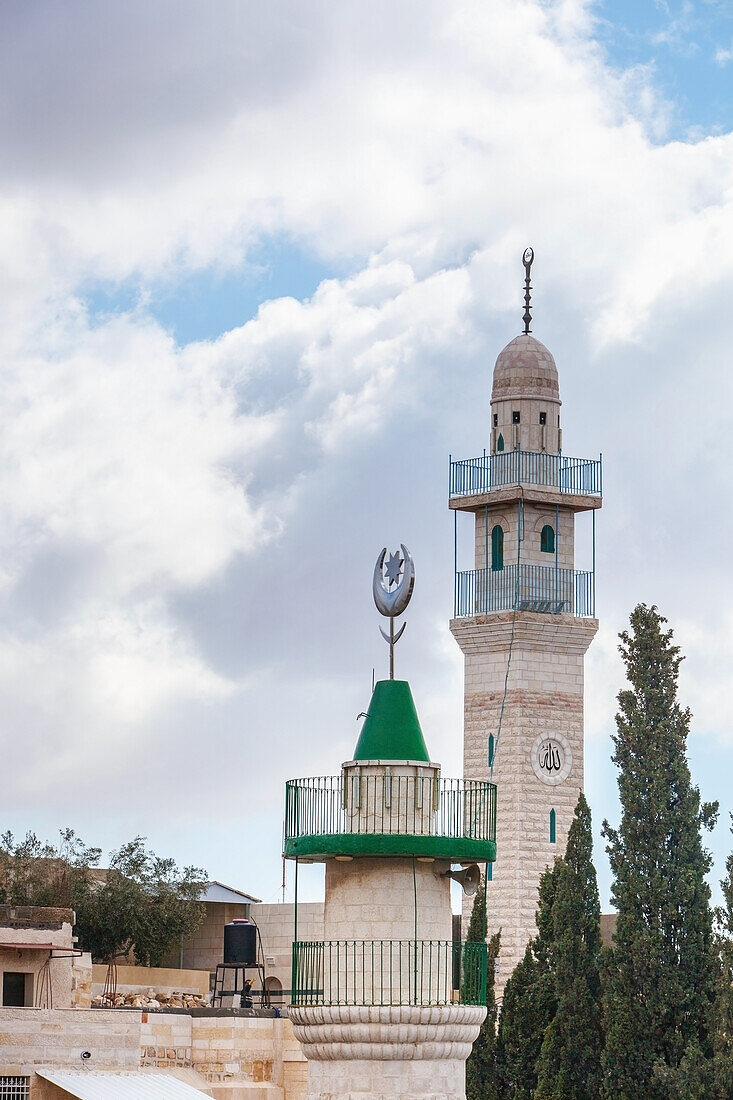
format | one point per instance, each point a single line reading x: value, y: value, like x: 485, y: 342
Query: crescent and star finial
x: 527, y: 260
x: 392, y: 587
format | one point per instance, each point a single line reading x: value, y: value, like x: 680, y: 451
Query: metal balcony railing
x: 389, y: 972
x: 408, y: 805
x: 541, y: 588
x: 568, y: 475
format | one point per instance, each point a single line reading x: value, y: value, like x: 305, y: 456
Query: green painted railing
x: 540, y: 588
x: 583, y: 476
x: 388, y: 972
x: 390, y: 805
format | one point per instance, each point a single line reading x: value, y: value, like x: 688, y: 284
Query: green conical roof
x: 391, y: 729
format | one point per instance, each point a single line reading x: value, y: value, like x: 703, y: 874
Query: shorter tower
x: 388, y: 1004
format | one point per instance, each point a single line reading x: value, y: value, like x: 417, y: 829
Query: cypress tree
x: 569, y: 1062
x: 724, y: 1004
x: 528, y: 1004
x: 661, y: 978
x: 481, y: 1063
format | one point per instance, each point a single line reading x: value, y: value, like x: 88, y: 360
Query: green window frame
x: 497, y: 548
x: 491, y: 749
x: 553, y: 827
x: 500, y: 442
x: 547, y: 539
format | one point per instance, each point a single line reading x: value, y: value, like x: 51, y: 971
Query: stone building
x: 524, y: 617
x: 40, y: 965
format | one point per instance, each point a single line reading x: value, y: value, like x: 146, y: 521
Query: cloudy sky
x: 256, y: 263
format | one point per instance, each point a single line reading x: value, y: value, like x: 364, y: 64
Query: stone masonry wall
x: 260, y: 1054
x: 545, y: 695
x: 276, y: 925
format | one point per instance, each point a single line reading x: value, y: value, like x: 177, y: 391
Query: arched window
x: 552, y: 827
x: 547, y: 539
x: 500, y: 442
x: 491, y: 749
x: 497, y: 547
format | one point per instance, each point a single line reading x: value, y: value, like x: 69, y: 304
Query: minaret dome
x: 525, y: 398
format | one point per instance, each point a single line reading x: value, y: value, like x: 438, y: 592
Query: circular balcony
x: 371, y: 811
x: 389, y: 972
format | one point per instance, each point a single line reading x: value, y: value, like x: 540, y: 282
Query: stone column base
x: 381, y: 1052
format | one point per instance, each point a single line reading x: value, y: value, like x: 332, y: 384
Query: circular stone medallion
x: 552, y: 758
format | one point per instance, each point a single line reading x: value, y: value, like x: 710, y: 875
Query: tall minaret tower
x: 524, y: 618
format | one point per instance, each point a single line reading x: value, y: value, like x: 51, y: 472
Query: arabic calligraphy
x: 550, y: 757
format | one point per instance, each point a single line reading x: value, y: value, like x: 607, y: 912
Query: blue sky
x: 683, y: 49
x: 257, y: 265
x: 687, y: 48
x: 203, y: 304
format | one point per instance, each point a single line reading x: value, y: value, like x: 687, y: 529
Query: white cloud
x: 183, y: 529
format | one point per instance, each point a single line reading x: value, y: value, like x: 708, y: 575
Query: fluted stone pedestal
x: 382, y: 1052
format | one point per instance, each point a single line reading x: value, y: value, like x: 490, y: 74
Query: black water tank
x: 240, y: 943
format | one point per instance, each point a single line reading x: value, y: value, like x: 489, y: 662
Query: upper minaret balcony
x: 574, y: 483
x: 525, y: 456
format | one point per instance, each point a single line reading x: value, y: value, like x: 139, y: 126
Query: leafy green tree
x: 568, y: 1067
x: 661, y: 986
x: 36, y: 873
x: 144, y: 904
x: 481, y: 1065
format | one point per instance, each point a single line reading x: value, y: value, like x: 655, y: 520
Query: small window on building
x: 552, y: 827
x: 14, y: 989
x: 497, y: 548
x: 15, y: 1088
x: 515, y: 416
x: 547, y: 539
x: 496, y: 420
x: 500, y: 443
x: 491, y: 749
x: 543, y: 418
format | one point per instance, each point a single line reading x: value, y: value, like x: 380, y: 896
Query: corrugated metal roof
x: 89, y: 1085
x: 218, y: 891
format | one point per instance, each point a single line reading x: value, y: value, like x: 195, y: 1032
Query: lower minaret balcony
x: 540, y: 588
x: 389, y: 972
x: 374, y: 809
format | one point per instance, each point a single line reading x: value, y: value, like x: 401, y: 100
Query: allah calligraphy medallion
x: 552, y: 758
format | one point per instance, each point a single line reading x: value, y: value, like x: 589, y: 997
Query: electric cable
x: 520, y: 537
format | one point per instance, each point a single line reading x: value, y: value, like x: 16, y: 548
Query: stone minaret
x: 387, y: 1005
x: 524, y: 618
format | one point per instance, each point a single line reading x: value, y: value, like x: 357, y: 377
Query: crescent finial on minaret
x: 527, y: 259
x: 392, y: 592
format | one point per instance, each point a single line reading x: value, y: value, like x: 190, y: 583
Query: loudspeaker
x: 469, y: 878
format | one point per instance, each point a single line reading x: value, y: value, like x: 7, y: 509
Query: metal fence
x: 389, y: 972
x: 540, y: 588
x: 409, y: 805
x: 568, y: 475
x: 14, y: 1088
